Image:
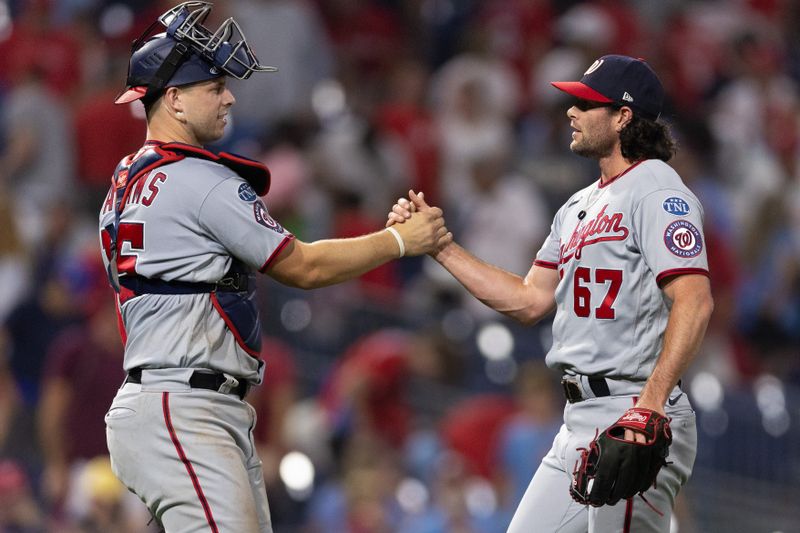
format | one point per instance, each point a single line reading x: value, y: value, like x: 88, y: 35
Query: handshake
x: 418, y: 227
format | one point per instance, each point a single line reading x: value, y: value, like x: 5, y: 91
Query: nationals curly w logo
x: 683, y: 239
x: 593, y: 67
x: 602, y: 228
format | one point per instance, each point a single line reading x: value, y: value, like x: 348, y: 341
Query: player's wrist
x: 445, y: 253
x: 399, y: 238
x: 647, y: 406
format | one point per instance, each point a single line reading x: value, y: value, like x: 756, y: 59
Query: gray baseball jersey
x: 613, y: 244
x: 182, y: 221
x: 186, y: 221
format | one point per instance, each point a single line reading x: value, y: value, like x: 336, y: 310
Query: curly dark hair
x: 646, y: 139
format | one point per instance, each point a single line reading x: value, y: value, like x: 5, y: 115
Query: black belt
x: 232, y: 282
x: 599, y: 386
x: 199, y: 380
x: 572, y: 390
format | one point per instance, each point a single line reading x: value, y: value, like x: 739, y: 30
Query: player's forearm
x: 496, y: 288
x: 330, y: 261
x: 685, y: 330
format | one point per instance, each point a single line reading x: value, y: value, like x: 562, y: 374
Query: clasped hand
x: 414, y: 219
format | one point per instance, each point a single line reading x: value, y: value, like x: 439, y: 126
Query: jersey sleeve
x: 549, y: 254
x: 668, y: 225
x: 236, y: 217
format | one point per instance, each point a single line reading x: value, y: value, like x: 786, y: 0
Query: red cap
x: 581, y: 90
x: 130, y: 95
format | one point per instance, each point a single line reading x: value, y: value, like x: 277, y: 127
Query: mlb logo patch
x: 683, y: 239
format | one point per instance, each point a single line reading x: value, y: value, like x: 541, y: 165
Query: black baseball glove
x: 613, y: 469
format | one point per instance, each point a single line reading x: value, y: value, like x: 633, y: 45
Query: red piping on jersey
x: 231, y: 327
x: 682, y: 272
x: 120, y: 323
x: 168, y: 157
x: 618, y: 176
x: 275, y: 253
x: 189, y: 468
x: 545, y: 264
x: 626, y: 527
x: 255, y: 173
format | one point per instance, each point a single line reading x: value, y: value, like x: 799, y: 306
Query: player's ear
x: 174, y: 103
x: 624, y: 116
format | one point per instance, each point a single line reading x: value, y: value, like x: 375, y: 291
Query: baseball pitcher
x: 625, y: 270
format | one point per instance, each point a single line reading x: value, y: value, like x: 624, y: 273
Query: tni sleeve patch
x: 246, y: 193
x: 676, y: 206
x: 683, y: 239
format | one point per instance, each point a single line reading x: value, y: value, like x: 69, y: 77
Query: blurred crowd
x: 394, y: 402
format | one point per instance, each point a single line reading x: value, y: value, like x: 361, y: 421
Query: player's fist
x: 402, y: 209
x: 421, y: 226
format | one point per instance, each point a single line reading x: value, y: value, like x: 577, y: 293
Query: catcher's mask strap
x: 178, y: 54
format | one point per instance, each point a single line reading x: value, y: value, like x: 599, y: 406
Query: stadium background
x: 394, y: 402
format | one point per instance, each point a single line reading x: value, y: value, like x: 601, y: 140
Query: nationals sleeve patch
x: 683, y: 239
x: 263, y: 218
x: 246, y: 193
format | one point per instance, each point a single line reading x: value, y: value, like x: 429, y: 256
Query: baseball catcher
x: 183, y: 232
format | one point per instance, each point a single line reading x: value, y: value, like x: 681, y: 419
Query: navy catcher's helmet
x: 186, y: 53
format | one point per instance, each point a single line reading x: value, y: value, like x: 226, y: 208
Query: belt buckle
x: 235, y: 282
x: 571, y: 390
x: 229, y: 386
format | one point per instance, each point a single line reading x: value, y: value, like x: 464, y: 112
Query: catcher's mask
x: 187, y: 52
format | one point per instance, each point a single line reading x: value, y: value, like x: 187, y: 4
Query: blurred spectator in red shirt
x: 472, y: 429
x: 405, y: 115
x: 104, y: 133
x: 519, y: 31
x: 366, y: 392
x: 366, y: 35
x: 19, y: 510
x: 693, y: 58
x: 34, y: 41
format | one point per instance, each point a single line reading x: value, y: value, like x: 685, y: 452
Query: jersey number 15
x: 131, y: 233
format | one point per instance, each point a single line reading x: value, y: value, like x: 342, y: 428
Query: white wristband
x: 399, y: 240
